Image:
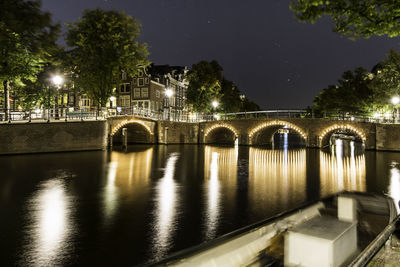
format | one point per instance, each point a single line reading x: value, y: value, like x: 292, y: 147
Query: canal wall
x: 387, y: 137
x: 21, y: 138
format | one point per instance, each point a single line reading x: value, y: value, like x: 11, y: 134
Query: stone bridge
x: 315, y: 132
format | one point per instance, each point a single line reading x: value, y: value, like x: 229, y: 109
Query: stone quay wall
x: 23, y: 138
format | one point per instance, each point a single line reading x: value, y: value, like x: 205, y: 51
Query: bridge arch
x: 220, y: 134
x: 259, y: 132
x: 325, y: 134
x: 138, y: 131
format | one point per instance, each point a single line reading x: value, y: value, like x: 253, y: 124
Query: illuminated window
x: 124, y: 101
x: 84, y: 101
x: 158, y: 93
x: 145, y: 92
x: 136, y: 93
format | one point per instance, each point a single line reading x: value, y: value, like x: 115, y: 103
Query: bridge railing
x: 69, y: 114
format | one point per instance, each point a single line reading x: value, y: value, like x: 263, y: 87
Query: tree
x: 230, y: 99
x: 352, y: 94
x: 206, y: 83
x: 386, y: 82
x: 41, y: 92
x: 233, y: 101
x: 104, y: 43
x: 27, y: 40
x: 353, y: 18
x: 205, y: 79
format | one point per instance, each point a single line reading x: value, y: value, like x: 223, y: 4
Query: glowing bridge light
x: 277, y: 123
x: 219, y: 125
x: 344, y: 127
x: 125, y: 122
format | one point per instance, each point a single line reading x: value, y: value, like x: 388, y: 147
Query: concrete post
x: 110, y: 141
x: 124, y: 137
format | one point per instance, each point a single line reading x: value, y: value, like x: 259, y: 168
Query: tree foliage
x: 352, y: 94
x: 386, y: 82
x: 206, y: 83
x: 362, y: 92
x: 104, y: 43
x: 205, y: 79
x: 352, y: 18
x: 27, y: 40
x: 41, y: 92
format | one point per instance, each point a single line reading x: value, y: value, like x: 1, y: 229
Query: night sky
x: 275, y: 60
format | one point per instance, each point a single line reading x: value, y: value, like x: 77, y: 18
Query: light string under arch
x: 343, y: 126
x: 277, y: 123
x: 125, y: 122
x: 219, y: 125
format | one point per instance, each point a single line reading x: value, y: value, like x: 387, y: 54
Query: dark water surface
x: 122, y: 209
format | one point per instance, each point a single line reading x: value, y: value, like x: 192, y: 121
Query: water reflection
x: 166, y: 209
x: 127, y: 174
x: 276, y: 178
x: 50, y: 225
x: 394, y: 187
x: 342, y: 169
x: 220, y: 169
x: 110, y: 192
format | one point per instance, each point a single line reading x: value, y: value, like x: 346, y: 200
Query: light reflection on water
x: 342, y: 169
x: 167, y: 199
x: 220, y: 167
x: 126, y: 175
x: 50, y: 227
x: 142, y: 199
x: 276, y: 177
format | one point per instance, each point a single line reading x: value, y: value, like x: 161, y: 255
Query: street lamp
x: 395, y: 102
x: 112, y: 99
x: 57, y: 81
x: 215, y: 104
x: 168, y: 94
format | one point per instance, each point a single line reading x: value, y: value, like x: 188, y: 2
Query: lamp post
x: 168, y: 94
x: 112, y: 99
x: 395, y: 102
x: 214, y: 104
x: 57, y: 81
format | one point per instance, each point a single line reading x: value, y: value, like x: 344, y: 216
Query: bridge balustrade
x: 68, y: 114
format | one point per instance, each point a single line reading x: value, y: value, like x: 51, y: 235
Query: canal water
x: 123, y: 208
